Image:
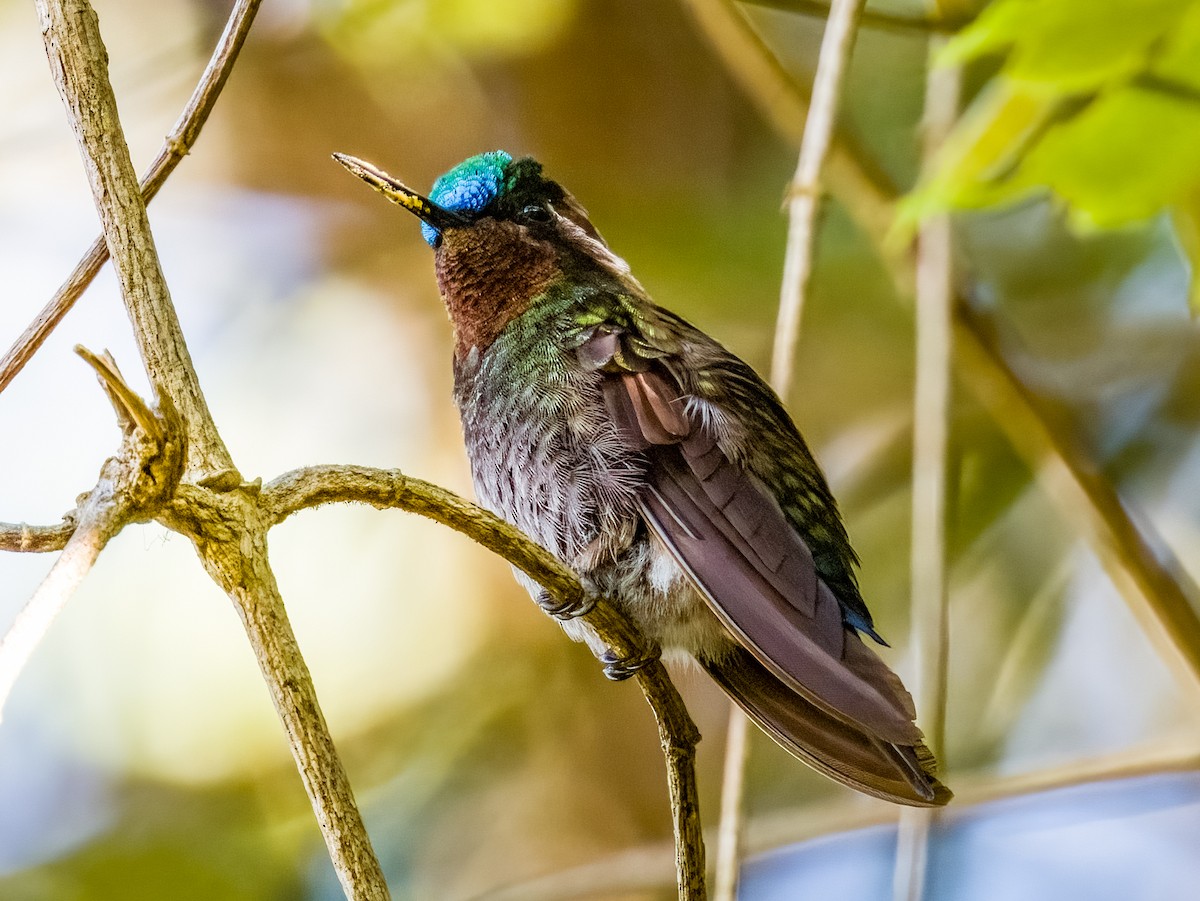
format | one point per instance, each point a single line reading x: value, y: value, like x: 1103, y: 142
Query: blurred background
x: 140, y: 756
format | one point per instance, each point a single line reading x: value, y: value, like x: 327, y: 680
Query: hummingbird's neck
x: 488, y: 278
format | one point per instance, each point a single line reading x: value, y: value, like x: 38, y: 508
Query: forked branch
x: 232, y: 543
x: 134, y: 483
x: 175, y: 147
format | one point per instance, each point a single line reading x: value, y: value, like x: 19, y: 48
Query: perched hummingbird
x: 661, y: 468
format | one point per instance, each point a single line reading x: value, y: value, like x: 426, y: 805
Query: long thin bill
x: 395, y: 191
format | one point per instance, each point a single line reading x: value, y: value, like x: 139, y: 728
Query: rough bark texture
x: 79, y: 66
x: 175, y: 147
x: 219, y: 513
x: 230, y: 535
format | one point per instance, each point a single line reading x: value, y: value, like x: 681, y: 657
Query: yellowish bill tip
x: 391, y: 188
x: 436, y: 217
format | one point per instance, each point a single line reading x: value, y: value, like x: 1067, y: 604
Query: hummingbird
x: 660, y: 468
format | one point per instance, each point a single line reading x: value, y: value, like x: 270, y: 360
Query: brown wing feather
x: 805, y: 652
x: 898, y: 773
x: 804, y: 677
x: 751, y: 566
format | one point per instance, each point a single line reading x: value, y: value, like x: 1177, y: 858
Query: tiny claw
x: 565, y: 609
x: 620, y: 668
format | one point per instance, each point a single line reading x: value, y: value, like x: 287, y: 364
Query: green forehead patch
x: 470, y: 186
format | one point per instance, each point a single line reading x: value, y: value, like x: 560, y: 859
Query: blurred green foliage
x: 1097, y: 101
x: 382, y: 32
x: 520, y: 759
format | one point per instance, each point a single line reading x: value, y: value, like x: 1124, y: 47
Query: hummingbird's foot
x: 621, y: 668
x: 565, y: 609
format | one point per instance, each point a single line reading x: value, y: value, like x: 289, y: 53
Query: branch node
x: 150, y: 462
x: 175, y: 146
x: 132, y: 412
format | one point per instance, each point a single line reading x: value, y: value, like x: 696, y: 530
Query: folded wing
x: 800, y: 673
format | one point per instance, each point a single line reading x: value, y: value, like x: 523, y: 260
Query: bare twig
x: 866, y: 193
x: 132, y: 485
x: 101, y: 516
x: 678, y: 736
x: 175, y: 148
x: 749, y: 58
x: 731, y: 831
x: 804, y: 193
x: 384, y: 489
x: 24, y: 538
x: 316, y: 485
x: 79, y: 65
x: 230, y: 533
x: 931, y: 443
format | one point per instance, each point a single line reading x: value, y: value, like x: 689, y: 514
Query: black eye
x: 535, y: 212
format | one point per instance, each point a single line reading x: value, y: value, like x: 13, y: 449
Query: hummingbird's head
x: 502, y: 233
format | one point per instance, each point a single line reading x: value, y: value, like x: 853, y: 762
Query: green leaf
x: 1122, y: 159
x: 1075, y: 45
x: 1097, y: 101
x: 995, y: 30
x: 971, y: 168
x: 1179, y: 57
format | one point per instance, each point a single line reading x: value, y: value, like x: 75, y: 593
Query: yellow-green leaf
x: 1075, y: 45
x: 1123, y: 158
x: 972, y: 166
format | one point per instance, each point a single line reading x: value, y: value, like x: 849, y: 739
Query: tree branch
x: 175, y: 147
x: 79, y: 65
x: 224, y: 523
x: 1154, y: 590
x: 316, y: 485
x: 132, y: 486
x: 804, y: 193
x: 230, y: 534
x: 24, y: 538
x: 931, y: 450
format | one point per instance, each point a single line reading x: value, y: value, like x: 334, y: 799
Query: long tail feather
x: 904, y: 774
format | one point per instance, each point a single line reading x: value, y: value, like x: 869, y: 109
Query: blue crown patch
x: 468, y: 187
